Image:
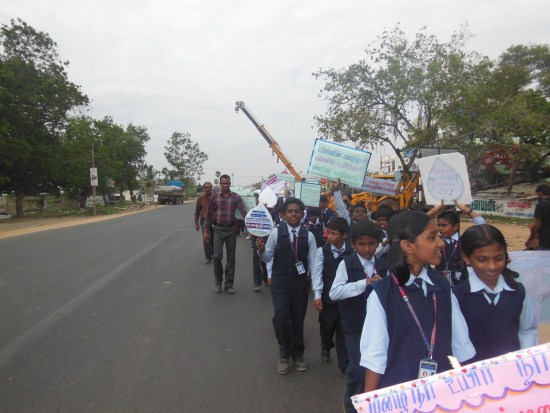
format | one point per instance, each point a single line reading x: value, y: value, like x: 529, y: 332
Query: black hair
x: 479, y: 236
x: 339, y: 224
x: 407, y: 225
x: 383, y: 211
x: 323, y: 198
x: 359, y: 205
x: 450, y: 216
x: 225, y: 176
x: 291, y: 201
x: 543, y: 189
x: 365, y: 229
x: 314, y: 211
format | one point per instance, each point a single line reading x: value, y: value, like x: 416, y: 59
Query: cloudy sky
x: 179, y: 66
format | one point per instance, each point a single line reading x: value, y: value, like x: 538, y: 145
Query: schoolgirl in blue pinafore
x: 497, y: 309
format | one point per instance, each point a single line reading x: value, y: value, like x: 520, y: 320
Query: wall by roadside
x: 520, y: 208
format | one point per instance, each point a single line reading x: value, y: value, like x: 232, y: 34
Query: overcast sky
x: 179, y: 66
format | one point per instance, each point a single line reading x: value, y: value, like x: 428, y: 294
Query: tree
x: 118, y: 151
x: 36, y: 99
x: 400, y: 95
x: 185, y: 157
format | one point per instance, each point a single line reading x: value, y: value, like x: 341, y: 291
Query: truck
x: 170, y: 194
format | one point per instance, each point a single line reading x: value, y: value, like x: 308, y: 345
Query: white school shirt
x: 528, y: 330
x: 375, y: 340
x: 317, y: 272
x: 271, y: 243
x: 342, y: 289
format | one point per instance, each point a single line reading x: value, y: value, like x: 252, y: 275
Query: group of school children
x: 396, y: 295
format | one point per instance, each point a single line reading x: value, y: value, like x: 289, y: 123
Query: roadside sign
x: 94, y: 180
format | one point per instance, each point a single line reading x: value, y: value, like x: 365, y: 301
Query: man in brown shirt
x: 200, y: 213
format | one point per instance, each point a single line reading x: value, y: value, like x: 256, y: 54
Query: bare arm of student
x: 436, y: 210
x: 528, y: 329
x: 462, y: 347
x: 473, y: 215
x: 342, y: 289
x: 372, y: 380
x: 317, y: 279
x: 339, y: 205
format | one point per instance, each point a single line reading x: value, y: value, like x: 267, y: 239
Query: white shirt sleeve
x: 341, y: 289
x: 375, y: 340
x: 461, y: 346
x: 317, y: 274
x: 479, y: 220
x: 312, y: 245
x: 528, y: 329
x: 340, y: 207
x: 270, y: 246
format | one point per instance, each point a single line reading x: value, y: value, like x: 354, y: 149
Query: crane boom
x: 268, y: 138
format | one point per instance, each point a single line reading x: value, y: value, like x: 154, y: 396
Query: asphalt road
x: 121, y: 316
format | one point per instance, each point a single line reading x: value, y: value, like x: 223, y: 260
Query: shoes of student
x: 256, y: 288
x: 218, y: 289
x: 229, y: 290
x: 283, y: 366
x: 299, y: 364
x: 325, y: 356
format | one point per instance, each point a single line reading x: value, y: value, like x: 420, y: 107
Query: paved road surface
x: 121, y: 316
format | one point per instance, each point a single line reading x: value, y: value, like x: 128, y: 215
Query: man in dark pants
x: 200, y: 213
x: 221, y: 216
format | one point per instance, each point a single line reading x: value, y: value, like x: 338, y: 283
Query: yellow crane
x: 269, y: 139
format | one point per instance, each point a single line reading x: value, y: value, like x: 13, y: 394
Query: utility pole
x: 93, y: 181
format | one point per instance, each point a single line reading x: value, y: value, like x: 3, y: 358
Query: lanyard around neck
x: 452, y: 254
x: 431, y: 344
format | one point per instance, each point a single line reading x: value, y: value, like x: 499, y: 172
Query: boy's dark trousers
x: 330, y: 325
x: 289, y: 295
x: 259, y: 269
x: 355, y: 373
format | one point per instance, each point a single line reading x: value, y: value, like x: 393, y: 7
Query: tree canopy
x: 427, y: 93
x: 36, y: 101
x: 185, y: 157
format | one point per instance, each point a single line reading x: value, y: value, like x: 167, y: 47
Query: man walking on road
x: 221, y: 217
x: 542, y: 218
x: 200, y: 214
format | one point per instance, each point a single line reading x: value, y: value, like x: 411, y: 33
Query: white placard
x: 94, y: 179
x: 445, y: 177
x: 258, y: 221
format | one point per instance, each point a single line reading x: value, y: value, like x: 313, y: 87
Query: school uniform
x: 391, y: 343
x: 451, y: 260
x: 500, y: 320
x: 289, y: 289
x: 327, y: 259
x: 350, y: 290
x: 326, y: 215
x: 317, y: 230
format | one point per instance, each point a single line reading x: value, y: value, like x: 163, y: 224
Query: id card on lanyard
x: 427, y: 366
x: 446, y: 272
x: 299, y: 264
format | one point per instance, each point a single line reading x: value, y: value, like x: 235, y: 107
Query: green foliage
x: 36, y: 99
x: 185, y: 157
x: 118, y: 153
x: 399, y: 95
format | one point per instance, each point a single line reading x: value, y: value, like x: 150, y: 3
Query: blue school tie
x: 417, y: 282
x: 293, y: 237
x: 491, y: 296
